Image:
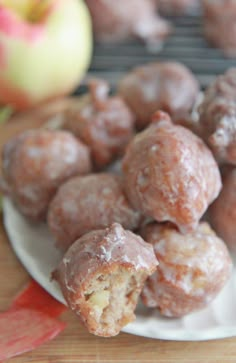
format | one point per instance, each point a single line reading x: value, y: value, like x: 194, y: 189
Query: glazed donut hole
x: 222, y: 213
x: 219, y: 23
x: 217, y: 117
x: 170, y: 174
x: 115, y: 22
x: 36, y: 163
x: 88, y: 203
x: 103, y: 122
x: 166, y: 86
x: 102, y: 275
x: 192, y: 269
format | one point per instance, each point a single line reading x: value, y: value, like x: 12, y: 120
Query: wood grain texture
x: 75, y: 345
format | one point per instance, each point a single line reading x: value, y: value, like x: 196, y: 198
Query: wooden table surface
x: 75, y: 345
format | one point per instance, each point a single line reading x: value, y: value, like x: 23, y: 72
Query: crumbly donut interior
x: 112, y: 298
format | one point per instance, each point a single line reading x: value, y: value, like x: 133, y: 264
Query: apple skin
x: 46, y: 59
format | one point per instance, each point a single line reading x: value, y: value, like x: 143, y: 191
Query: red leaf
x: 29, y: 322
x: 36, y: 298
x: 22, y: 330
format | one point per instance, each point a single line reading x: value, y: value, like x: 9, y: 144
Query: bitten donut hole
x: 111, y: 298
x: 102, y: 275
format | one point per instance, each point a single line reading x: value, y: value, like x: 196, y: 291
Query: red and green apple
x: 45, y: 49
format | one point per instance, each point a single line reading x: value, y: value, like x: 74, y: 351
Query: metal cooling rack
x: 186, y: 45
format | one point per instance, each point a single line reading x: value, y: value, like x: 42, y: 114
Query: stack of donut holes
x: 119, y: 21
x: 138, y: 194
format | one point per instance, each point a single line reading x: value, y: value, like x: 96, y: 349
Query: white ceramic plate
x: 35, y: 248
